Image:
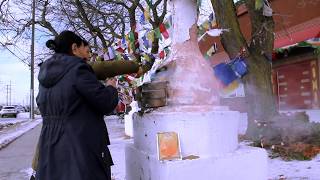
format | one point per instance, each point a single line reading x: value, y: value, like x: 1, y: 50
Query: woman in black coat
x: 74, y: 138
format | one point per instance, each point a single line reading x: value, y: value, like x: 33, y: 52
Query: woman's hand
x: 111, y: 82
x: 139, y: 73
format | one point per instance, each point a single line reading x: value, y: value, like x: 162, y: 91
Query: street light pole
x: 32, y: 61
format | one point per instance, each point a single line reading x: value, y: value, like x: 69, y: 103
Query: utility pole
x: 32, y: 61
x: 8, y: 93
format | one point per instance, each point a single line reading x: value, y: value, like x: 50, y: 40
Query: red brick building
x: 296, y: 70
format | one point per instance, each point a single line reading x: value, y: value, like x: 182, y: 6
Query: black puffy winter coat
x: 74, y: 138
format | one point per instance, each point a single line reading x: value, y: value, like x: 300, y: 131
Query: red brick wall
x: 288, y: 13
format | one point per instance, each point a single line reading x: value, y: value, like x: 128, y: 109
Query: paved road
x: 16, y: 158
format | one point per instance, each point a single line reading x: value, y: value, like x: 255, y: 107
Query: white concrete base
x: 211, y: 135
x: 128, y: 122
x: 243, y: 123
x: 201, y: 133
x: 246, y: 163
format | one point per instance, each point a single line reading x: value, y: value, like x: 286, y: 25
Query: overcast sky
x: 11, y: 69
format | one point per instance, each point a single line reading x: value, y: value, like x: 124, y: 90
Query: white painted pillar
x: 183, y: 18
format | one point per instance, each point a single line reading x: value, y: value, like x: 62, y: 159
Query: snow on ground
x: 16, y: 132
x: 294, y: 170
x: 28, y: 172
x: 26, y: 115
x: 277, y: 168
x: 11, y: 121
x: 21, y: 117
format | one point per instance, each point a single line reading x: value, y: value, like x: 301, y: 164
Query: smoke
x: 281, y: 128
x: 288, y: 128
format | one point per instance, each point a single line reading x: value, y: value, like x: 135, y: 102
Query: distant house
x: 295, y: 67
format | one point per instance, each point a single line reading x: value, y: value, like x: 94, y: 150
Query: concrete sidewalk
x: 15, y: 159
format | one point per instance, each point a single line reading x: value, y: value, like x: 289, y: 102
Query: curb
x: 9, y: 138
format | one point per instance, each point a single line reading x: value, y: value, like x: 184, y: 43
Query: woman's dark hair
x: 85, y: 43
x: 63, y: 42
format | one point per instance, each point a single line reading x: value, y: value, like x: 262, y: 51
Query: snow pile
x: 7, y: 138
x: 26, y: 115
x: 23, y: 115
x: 28, y: 172
x: 11, y: 121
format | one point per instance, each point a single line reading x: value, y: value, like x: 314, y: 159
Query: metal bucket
x: 153, y: 94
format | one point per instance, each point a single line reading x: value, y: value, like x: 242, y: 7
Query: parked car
x: 20, y: 109
x: 8, y: 111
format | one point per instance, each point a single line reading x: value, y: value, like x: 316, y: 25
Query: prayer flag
x: 151, y: 36
x: 118, y: 57
x: 131, y: 36
x: 166, y: 50
x: 211, y: 51
x: 157, y: 33
x: 206, y: 25
x: 127, y: 40
x: 146, y: 57
x: 206, y: 56
x: 164, y: 31
x: 167, y: 24
x: 125, y: 57
x: 106, y: 57
x: 147, y: 14
x: 142, y: 19
x: 211, y: 17
x: 161, y: 55
x: 111, y: 52
x: 145, y: 42
x: 149, y: 2
x: 213, y: 24
x: 120, y: 49
x: 231, y: 87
